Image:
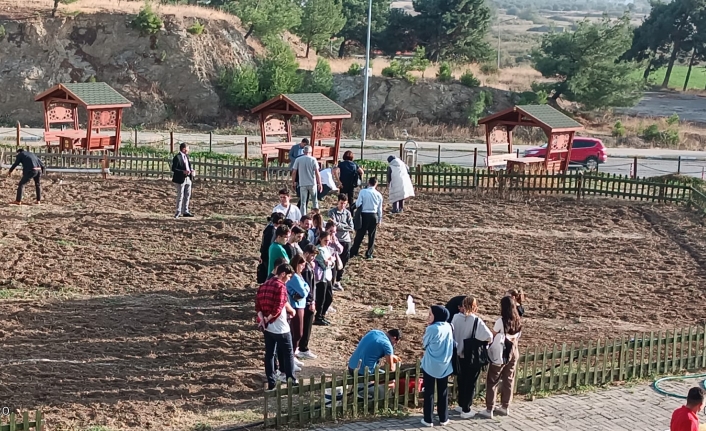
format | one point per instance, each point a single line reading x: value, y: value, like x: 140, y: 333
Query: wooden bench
x: 499, y: 160
x: 270, y: 152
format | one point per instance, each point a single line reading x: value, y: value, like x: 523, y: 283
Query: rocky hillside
x: 172, y: 77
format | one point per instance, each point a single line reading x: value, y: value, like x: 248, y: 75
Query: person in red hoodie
x: 273, y: 311
x: 684, y: 418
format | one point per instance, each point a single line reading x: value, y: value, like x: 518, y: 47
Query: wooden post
x: 517, y: 153
x: 634, y: 169
x: 438, y: 155
x: 171, y: 142
x: 679, y: 165
x: 419, y: 175
x: 210, y: 142
x: 18, y: 134
x: 475, y: 158
x: 135, y: 137
x: 401, y: 146
x: 245, y: 146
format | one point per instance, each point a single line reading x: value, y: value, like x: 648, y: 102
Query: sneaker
x: 321, y: 322
x: 458, y: 409
x: 297, y: 368
x: 297, y: 362
x: 39, y: 202
x: 468, y: 415
x: 326, y: 322
x: 427, y: 424
x: 503, y: 411
x: 486, y: 414
x: 443, y: 424
x: 337, y: 287
x: 306, y: 355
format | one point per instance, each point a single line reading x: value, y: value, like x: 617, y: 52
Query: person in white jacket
x: 399, y: 183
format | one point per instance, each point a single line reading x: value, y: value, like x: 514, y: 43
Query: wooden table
x: 77, y: 139
x: 525, y: 164
x: 283, y: 152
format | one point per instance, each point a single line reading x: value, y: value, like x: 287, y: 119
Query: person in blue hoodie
x: 438, y: 345
x: 298, y: 290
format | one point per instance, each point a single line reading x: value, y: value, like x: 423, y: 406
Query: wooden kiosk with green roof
x: 559, y: 128
x: 325, y: 116
x: 104, y: 108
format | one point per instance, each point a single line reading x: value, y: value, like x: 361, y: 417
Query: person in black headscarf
x: 454, y: 306
x: 438, y: 352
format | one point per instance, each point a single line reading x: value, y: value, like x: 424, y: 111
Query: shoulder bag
x: 507, y: 346
x: 476, y: 351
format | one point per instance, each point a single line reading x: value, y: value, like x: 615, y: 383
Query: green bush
x: 147, y: 22
x: 396, y: 69
x: 2, y: 33
x: 469, y: 80
x: 445, y: 73
x: 355, y: 69
x: 419, y: 61
x: 196, y: 29
x: 278, y: 70
x: 320, y: 80
x: 533, y: 98
x: 241, y: 87
x: 489, y: 69
x: 673, y: 119
x: 653, y: 134
x: 619, y: 130
x: 477, y: 108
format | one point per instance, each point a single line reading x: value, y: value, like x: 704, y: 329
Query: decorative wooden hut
x: 325, y: 116
x: 559, y: 128
x: 104, y: 107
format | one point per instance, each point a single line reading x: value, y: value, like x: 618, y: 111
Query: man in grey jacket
x: 344, y: 226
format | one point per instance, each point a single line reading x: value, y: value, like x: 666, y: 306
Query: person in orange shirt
x: 684, y: 418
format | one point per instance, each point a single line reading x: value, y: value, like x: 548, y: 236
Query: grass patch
x: 219, y: 217
x: 65, y: 243
x: 697, y: 81
x: 684, y: 179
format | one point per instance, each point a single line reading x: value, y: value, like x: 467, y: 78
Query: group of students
x: 457, y: 341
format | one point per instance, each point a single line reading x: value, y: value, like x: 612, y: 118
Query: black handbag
x: 476, y: 351
x: 507, y: 347
x: 455, y: 362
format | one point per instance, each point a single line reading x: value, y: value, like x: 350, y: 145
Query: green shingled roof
x: 317, y: 105
x: 550, y: 116
x: 96, y: 93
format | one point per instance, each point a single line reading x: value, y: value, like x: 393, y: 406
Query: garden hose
x: 660, y: 391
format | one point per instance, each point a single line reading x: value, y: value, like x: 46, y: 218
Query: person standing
x: 324, y: 288
x: 183, y: 177
x: 292, y: 246
x: 273, y: 309
x: 438, y: 345
x: 294, y: 153
x: 336, y: 249
x: 349, y: 173
x: 277, y: 248
x: 305, y: 173
x: 370, y: 205
x: 455, y: 306
x: 310, y: 253
x: 307, y: 223
x: 685, y: 417
x: 344, y: 226
x: 298, y: 290
x: 290, y: 211
x: 466, y: 326
x: 268, y: 235
x: 32, y: 169
x: 399, y: 183
x: 503, y: 354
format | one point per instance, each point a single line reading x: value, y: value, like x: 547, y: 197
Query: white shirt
x: 327, y: 178
x: 280, y: 324
x: 294, y: 213
x: 495, y: 350
x: 186, y: 162
x: 463, y: 328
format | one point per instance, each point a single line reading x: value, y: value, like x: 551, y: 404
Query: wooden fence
x: 13, y: 422
x: 431, y: 178
x: 539, y: 370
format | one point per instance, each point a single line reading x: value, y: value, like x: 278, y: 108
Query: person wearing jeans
x: 344, y: 226
x: 303, y: 351
x: 438, y: 345
x: 503, y: 361
x: 326, y: 261
x: 467, y: 325
x: 305, y: 173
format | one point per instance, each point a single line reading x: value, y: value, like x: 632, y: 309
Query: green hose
x: 660, y: 391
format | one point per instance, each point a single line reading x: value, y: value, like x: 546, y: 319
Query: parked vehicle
x: 588, y: 152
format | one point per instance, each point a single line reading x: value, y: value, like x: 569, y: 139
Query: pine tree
x: 321, y: 19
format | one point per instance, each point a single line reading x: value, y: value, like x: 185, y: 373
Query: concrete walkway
x: 635, y: 408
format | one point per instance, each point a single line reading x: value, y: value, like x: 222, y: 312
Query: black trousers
x: 26, y: 178
x: 369, y: 225
x: 345, y: 256
x: 349, y: 190
x: 442, y: 407
x: 324, y: 298
x: 279, y: 345
x: 467, y: 379
x: 308, y: 324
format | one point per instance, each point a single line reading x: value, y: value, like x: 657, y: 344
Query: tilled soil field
x: 116, y: 314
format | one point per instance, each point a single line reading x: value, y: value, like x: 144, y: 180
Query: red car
x: 588, y: 152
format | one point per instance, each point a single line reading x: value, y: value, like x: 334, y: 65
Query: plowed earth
x: 116, y: 314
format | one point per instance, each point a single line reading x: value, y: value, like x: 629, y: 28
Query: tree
x: 356, y: 27
x: 587, y: 64
x: 419, y: 61
x: 266, y: 17
x: 321, y: 19
x: 278, y: 70
x: 320, y: 80
x: 453, y: 29
x: 241, y: 87
x: 400, y: 34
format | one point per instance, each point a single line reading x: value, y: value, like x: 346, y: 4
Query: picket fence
x: 14, y: 422
x: 431, y: 178
x: 539, y: 370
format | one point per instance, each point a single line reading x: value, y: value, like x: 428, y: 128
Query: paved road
x: 620, y: 409
x: 689, y: 107
x: 651, y: 162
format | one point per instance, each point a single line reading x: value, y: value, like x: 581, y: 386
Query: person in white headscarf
x: 399, y: 183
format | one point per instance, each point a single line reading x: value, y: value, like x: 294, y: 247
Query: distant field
x: 676, y: 80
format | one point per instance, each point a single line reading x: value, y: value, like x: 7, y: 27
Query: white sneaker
x: 426, y: 424
x: 298, y: 363
x: 331, y: 310
x: 468, y: 415
x: 297, y: 368
x: 443, y: 424
x: 337, y: 287
x: 503, y: 411
x: 458, y: 409
x: 486, y: 414
x: 306, y: 355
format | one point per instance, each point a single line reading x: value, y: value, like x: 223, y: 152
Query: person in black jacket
x: 268, y: 235
x: 303, y: 352
x: 32, y: 169
x: 183, y: 176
